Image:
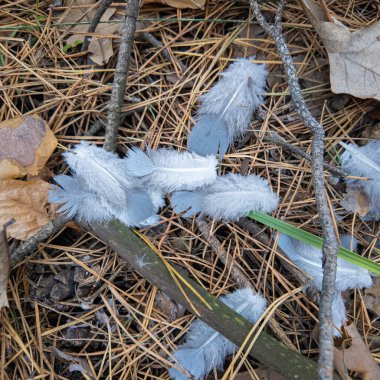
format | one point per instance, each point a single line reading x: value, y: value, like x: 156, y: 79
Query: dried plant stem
x: 95, y: 21
x: 330, y: 246
x: 238, y: 275
x: 121, y: 76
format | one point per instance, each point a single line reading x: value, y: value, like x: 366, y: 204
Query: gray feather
x: 138, y: 163
x: 187, y: 200
x: 209, y: 136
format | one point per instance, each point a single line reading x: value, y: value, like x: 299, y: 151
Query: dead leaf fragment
x: 353, y: 56
x: 25, y: 201
x: 355, y: 200
x: 357, y: 358
x: 26, y: 143
x: 372, y: 296
x: 4, y: 265
x: 100, y: 48
x: 180, y: 4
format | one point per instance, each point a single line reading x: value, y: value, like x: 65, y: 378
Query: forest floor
x: 57, y: 322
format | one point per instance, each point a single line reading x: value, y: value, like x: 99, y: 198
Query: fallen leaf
x: 355, y: 201
x: 356, y: 358
x: 371, y: 132
x: 100, y: 48
x: 4, y: 269
x: 353, y: 56
x: 372, y: 296
x: 180, y: 4
x: 25, y: 201
x: 26, y: 143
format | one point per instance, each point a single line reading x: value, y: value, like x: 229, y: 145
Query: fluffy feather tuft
x: 309, y: 259
x: 226, y: 110
x: 206, y: 349
x: 364, y: 162
x: 105, y: 175
x: 229, y: 198
x: 169, y: 170
x: 78, y: 201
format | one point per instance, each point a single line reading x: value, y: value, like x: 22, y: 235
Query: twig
x: 239, y: 277
x: 121, y: 76
x: 31, y: 244
x: 94, y: 23
x: 330, y: 246
x: 276, y: 139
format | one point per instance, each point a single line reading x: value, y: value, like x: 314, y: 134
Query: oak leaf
x: 26, y: 143
x: 26, y: 202
x: 372, y: 296
x: 354, y: 56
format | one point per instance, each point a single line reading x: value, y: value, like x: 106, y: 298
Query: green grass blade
x: 313, y: 240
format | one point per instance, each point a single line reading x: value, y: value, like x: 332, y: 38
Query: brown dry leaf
x: 25, y: 201
x: 357, y: 358
x: 246, y: 44
x: 4, y: 265
x: 353, y: 56
x: 26, y: 143
x: 180, y: 4
x: 101, y: 48
x: 372, y: 296
x: 355, y: 201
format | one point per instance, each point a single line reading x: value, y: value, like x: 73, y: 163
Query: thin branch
x: 330, y: 246
x: 94, y: 23
x: 121, y: 76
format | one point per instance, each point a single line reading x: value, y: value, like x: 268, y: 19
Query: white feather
x: 170, y: 170
x: 79, y: 202
x: 364, y: 162
x: 309, y: 259
x: 206, y: 349
x: 226, y: 110
x: 106, y: 176
x: 230, y: 197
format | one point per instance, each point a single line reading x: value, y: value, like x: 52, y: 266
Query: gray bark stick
x: 121, y: 76
x: 330, y: 242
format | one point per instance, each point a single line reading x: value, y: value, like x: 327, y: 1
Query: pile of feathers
x: 132, y: 189
x: 103, y: 187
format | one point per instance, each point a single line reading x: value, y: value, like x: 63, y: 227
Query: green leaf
x: 313, y: 240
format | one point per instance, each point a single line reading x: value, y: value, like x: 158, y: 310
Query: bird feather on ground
x: 226, y: 110
x: 206, y: 349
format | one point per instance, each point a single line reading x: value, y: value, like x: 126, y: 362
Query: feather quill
x: 364, y: 161
x: 105, y: 175
x: 169, y: 170
x: 309, y: 259
x: 229, y: 198
x: 226, y: 110
x: 206, y: 349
